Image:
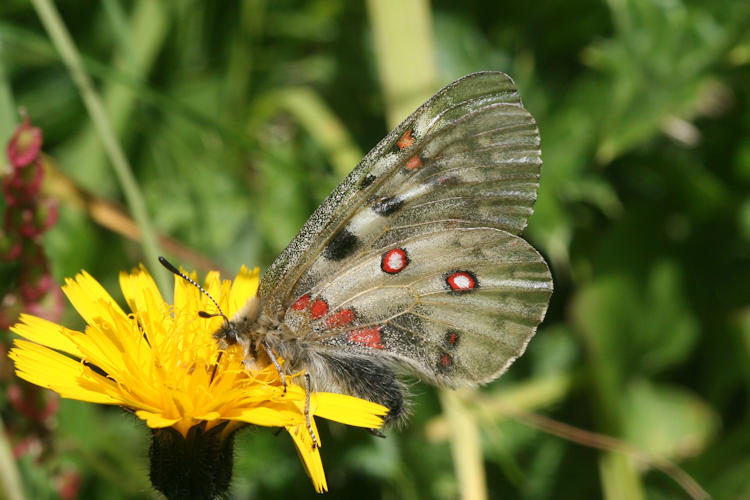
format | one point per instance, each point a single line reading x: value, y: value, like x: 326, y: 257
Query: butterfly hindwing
x: 455, y: 306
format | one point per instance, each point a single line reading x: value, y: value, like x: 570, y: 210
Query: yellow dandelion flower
x: 162, y: 363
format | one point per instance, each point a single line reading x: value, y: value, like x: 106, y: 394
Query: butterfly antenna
x: 203, y: 314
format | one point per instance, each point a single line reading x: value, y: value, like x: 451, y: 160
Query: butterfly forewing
x: 325, y: 228
x: 467, y: 174
x: 414, y: 258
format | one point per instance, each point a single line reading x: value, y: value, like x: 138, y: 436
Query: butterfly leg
x: 216, y: 365
x: 275, y: 364
x: 307, y: 411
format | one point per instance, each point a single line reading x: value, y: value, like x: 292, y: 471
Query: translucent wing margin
x: 468, y: 157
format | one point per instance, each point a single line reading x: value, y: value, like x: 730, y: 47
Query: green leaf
x: 637, y: 327
x: 666, y: 420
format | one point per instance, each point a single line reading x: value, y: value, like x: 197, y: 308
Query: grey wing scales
x: 469, y: 157
x: 415, y: 257
x: 457, y: 307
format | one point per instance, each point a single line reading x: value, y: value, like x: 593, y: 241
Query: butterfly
x: 413, y: 262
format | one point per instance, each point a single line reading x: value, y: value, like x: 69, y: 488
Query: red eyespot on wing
x: 394, y: 261
x: 318, y: 309
x: 451, y: 338
x: 414, y: 162
x: 301, y: 303
x: 446, y: 360
x: 406, y: 140
x: 462, y: 281
x: 340, y: 318
x: 369, y: 337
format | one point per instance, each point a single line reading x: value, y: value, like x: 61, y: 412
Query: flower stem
x: 62, y: 40
x: 405, y: 54
x: 466, y: 445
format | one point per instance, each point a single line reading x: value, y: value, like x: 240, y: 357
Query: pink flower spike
x: 47, y: 213
x: 31, y: 180
x: 11, y: 307
x: 23, y: 148
x: 33, y: 291
x: 30, y: 446
x: 10, y: 247
x: 68, y: 484
x: 22, y: 184
x: 28, y: 227
x: 50, y: 307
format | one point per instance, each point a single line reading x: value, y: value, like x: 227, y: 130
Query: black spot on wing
x: 341, y: 246
x: 388, y: 205
x: 445, y: 362
x: 409, y: 322
x: 367, y: 181
x: 451, y: 338
x: 446, y: 180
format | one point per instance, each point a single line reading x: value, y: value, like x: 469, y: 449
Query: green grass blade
x: 8, y: 112
x: 64, y: 43
x: 405, y: 53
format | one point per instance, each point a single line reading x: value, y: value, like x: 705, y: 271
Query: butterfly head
x: 228, y: 332
x: 239, y: 329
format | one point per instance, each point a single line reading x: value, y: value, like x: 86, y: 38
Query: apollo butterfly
x: 414, y: 260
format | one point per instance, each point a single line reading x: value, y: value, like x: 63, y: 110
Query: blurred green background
x: 238, y: 118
